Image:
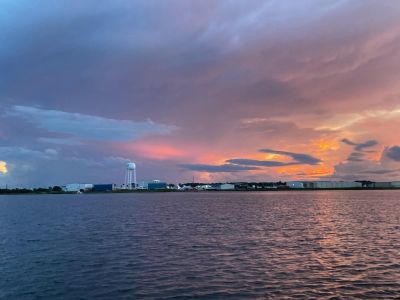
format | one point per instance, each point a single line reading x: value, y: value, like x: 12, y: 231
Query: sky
x: 218, y: 90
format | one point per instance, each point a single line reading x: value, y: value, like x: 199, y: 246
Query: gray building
x: 382, y: 185
x: 396, y: 184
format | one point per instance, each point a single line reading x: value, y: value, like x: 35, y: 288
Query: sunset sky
x: 221, y: 90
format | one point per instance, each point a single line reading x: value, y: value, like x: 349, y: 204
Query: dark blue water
x: 201, y: 245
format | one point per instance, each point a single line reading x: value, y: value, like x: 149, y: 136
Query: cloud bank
x: 88, y: 126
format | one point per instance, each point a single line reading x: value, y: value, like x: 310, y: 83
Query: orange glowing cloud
x: 157, y: 151
x: 306, y: 171
x: 275, y: 157
x: 326, y: 145
x: 3, y: 167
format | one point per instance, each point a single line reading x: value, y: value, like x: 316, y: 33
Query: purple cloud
x: 360, y: 146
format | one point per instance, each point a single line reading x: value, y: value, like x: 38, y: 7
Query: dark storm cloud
x: 298, y: 157
x: 393, y: 153
x: 356, y: 156
x: 360, y: 149
x: 217, y: 168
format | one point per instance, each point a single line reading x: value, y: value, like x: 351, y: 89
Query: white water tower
x: 130, y: 176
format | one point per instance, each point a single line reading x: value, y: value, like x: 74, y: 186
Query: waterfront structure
x: 241, y: 186
x: 78, y: 187
x: 153, y: 185
x: 157, y: 185
x: 130, y: 176
x: 144, y: 185
x: 103, y: 187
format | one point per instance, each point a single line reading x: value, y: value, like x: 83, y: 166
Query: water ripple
x: 286, y: 245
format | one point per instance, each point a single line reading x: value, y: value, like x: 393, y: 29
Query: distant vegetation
x: 49, y: 190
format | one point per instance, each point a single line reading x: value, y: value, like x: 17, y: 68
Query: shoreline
x: 194, y: 191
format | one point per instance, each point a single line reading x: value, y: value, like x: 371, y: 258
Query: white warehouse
x: 227, y: 186
x: 78, y: 187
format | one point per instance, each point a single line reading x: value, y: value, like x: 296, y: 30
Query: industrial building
x: 78, y: 187
x: 226, y: 187
x: 153, y: 185
x: 104, y: 187
x: 156, y: 185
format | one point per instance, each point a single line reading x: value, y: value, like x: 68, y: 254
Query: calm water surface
x: 201, y: 245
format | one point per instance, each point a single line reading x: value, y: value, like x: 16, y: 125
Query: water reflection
x: 201, y: 245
